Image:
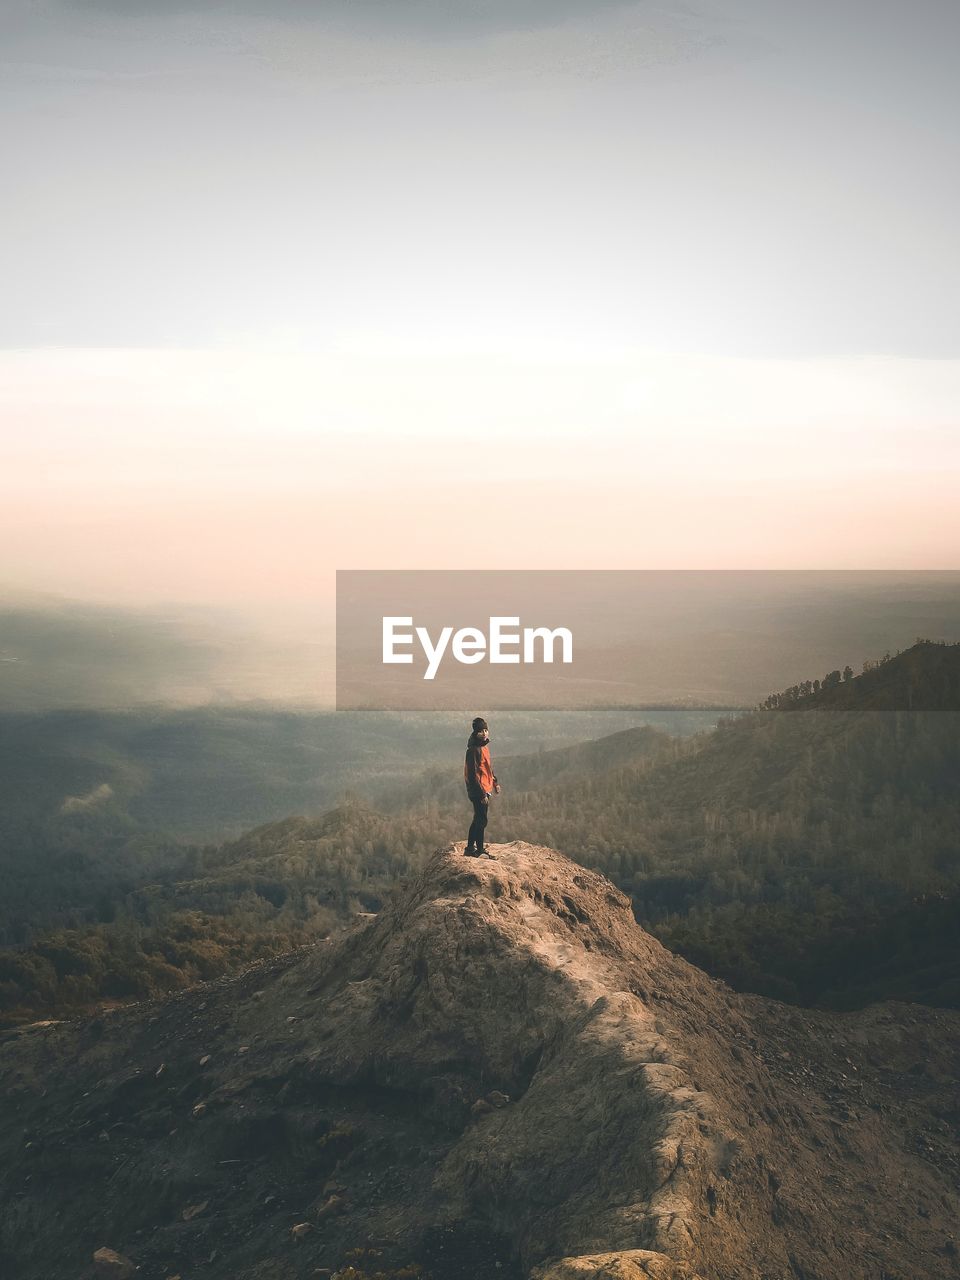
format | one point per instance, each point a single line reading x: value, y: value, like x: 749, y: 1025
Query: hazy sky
x: 291, y: 286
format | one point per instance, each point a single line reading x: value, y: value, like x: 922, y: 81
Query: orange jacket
x: 477, y: 770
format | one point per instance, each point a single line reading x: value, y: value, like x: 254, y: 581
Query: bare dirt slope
x: 500, y: 1075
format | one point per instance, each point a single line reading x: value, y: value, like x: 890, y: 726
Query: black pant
x: 477, y: 826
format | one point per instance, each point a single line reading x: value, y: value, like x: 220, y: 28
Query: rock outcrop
x: 501, y: 1074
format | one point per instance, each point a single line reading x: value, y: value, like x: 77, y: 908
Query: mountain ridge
x: 499, y: 1068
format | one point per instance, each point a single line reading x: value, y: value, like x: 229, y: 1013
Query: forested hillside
x: 96, y: 804
x: 279, y: 886
x: 814, y: 856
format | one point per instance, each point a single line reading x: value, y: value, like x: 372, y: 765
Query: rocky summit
x: 500, y: 1075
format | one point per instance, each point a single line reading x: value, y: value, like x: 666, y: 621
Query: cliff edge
x: 499, y: 1075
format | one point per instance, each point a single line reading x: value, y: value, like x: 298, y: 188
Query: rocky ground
x: 500, y: 1075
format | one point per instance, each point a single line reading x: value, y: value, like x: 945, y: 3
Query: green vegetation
x: 808, y: 849
x: 279, y: 887
x: 814, y: 856
x: 95, y: 805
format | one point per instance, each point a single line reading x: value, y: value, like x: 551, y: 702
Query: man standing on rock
x: 480, y: 781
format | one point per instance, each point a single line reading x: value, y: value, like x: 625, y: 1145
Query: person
x: 480, y: 782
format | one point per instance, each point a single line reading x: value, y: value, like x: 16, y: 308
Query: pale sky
x: 295, y: 286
